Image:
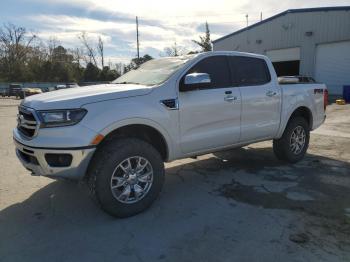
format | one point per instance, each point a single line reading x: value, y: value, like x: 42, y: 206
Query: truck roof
x: 235, y: 53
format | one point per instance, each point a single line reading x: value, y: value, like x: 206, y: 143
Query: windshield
x: 154, y: 71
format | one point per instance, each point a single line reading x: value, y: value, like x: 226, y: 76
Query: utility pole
x: 137, y: 38
x: 175, y: 50
x: 246, y: 16
x: 260, y: 16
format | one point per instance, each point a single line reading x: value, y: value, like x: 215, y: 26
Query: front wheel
x: 126, y: 176
x: 293, y: 144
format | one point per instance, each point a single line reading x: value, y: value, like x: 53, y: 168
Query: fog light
x: 58, y: 160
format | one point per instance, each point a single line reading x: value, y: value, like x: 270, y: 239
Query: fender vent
x: 171, y: 104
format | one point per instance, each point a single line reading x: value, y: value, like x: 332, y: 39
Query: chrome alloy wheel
x: 297, y: 140
x: 132, y: 179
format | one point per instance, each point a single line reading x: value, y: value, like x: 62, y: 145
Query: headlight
x: 66, y: 117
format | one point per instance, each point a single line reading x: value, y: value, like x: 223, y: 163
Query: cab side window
x: 218, y: 69
x: 249, y: 71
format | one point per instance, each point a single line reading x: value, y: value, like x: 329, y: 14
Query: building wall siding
x: 289, y: 31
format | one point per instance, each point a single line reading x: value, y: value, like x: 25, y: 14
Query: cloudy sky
x: 162, y: 22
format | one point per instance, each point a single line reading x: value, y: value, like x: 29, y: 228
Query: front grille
x: 26, y: 122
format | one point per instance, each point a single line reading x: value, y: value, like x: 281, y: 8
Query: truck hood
x: 78, y: 96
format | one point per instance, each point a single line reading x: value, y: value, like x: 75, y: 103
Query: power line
x: 199, y: 16
x: 204, y: 16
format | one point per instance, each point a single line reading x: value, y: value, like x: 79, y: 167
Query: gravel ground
x: 237, y: 205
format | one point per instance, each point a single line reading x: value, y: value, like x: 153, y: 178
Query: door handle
x: 230, y: 98
x: 271, y: 93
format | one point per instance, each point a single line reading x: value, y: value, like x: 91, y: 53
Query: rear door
x: 210, y: 118
x: 260, y: 98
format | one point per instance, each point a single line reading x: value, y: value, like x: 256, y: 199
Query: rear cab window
x: 248, y: 71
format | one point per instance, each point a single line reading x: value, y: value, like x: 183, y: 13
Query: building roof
x: 289, y: 11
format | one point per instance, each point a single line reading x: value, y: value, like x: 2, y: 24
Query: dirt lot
x: 239, y: 205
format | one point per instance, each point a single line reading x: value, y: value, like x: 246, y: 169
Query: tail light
x: 325, y: 98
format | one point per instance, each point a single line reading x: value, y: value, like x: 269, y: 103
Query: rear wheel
x: 293, y: 144
x: 126, y: 176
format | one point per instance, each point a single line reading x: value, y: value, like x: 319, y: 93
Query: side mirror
x: 195, y: 81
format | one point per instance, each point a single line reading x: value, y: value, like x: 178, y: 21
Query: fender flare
x: 141, y: 121
x: 290, y: 113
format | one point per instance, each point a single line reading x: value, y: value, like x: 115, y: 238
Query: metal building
x: 312, y: 42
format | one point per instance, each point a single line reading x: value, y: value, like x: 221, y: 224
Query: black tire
x: 105, y: 162
x: 282, y: 148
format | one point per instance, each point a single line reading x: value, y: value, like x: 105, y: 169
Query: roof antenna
x: 260, y: 16
x: 246, y: 16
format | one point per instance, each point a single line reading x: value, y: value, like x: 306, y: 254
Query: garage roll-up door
x: 285, y: 61
x: 333, y: 65
x: 281, y: 55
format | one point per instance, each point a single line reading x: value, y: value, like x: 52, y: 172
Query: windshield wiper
x: 126, y: 83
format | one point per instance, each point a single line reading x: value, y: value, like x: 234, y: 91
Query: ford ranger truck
x: 117, y: 136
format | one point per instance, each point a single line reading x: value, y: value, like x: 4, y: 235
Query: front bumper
x: 34, y: 160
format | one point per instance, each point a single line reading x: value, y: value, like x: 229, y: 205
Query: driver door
x: 210, y: 117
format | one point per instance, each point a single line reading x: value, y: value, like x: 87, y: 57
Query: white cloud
x: 162, y: 22
x: 67, y: 28
x: 116, y: 59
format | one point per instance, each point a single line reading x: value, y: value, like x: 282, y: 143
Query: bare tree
x: 174, y: 50
x: 101, y: 50
x: 77, y: 54
x: 14, y: 40
x: 15, y: 44
x: 52, y: 44
x: 119, y: 67
x: 90, y: 51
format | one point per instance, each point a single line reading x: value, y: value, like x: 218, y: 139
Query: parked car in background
x: 58, y: 87
x: 29, y: 91
x: 48, y: 89
x: 3, y: 91
x: 68, y: 85
x: 15, y: 90
x: 72, y: 85
x: 117, y: 136
x: 18, y: 90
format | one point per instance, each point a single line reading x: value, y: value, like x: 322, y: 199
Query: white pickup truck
x: 118, y: 135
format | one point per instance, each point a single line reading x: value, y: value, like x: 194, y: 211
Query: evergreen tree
x: 108, y: 75
x: 205, y: 42
x: 91, y: 73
